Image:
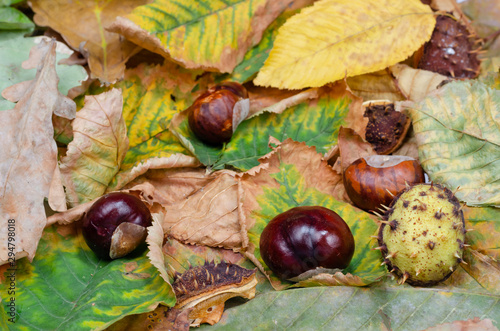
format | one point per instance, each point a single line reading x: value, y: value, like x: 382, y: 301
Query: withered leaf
x: 30, y: 161
x: 98, y: 147
x: 209, y: 216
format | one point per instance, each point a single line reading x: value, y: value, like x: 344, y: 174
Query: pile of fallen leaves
x: 94, y: 99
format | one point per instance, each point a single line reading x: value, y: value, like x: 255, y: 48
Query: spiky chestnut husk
x: 422, y: 235
x: 451, y: 51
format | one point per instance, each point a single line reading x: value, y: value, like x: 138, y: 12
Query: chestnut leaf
x: 209, y: 34
x: 152, y: 95
x: 68, y: 288
x: 334, y: 39
x: 290, y: 180
x: 458, y: 136
x: 358, y: 308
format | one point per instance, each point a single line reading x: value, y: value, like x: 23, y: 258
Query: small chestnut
x: 374, y: 180
x: 210, y: 117
x: 115, y: 225
x: 304, y: 238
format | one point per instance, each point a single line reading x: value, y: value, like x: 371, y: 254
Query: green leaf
x: 254, y: 59
x: 15, y: 49
x: 13, y: 19
x: 293, y: 191
x: 67, y: 287
x: 458, y: 136
x: 152, y: 95
x: 314, y: 122
x: 208, y: 34
x: 357, y: 308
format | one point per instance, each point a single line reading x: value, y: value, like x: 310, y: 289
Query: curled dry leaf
x: 29, y: 148
x: 161, y: 319
x: 155, y: 243
x: 415, y: 84
x: 99, y: 145
x: 209, y: 216
x: 82, y: 26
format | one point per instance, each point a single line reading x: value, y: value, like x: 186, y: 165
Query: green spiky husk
x: 422, y: 235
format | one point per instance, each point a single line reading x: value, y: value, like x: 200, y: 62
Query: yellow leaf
x: 342, y: 38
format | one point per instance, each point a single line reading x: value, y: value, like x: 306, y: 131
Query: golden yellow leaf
x: 342, y: 38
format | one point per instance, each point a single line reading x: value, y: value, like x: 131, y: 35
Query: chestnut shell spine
x: 304, y: 238
x: 210, y: 117
x: 106, y: 214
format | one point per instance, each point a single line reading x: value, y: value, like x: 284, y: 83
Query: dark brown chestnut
x: 304, y: 238
x: 373, y: 181
x: 115, y: 225
x: 210, y: 117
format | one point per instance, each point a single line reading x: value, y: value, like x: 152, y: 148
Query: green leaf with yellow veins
x: 152, y: 95
x: 334, y: 39
x: 295, y: 175
x: 67, y: 287
x: 458, y: 136
x: 315, y: 122
x: 207, y: 34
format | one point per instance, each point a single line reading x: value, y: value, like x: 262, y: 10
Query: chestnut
x: 210, y: 117
x: 115, y: 225
x: 373, y: 181
x: 304, y: 238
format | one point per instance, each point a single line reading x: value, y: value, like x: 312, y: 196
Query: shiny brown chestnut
x: 115, y: 225
x: 373, y: 181
x: 304, y: 238
x: 210, y: 117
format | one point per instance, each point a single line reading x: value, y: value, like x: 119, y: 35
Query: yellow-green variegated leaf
x: 208, y: 34
x: 295, y: 175
x: 152, y: 95
x: 98, y: 147
x: 458, y: 136
x: 342, y: 38
x: 67, y: 287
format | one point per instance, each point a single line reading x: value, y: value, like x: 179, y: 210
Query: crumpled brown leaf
x: 82, y: 26
x: 98, y: 147
x: 379, y: 85
x: 28, y: 168
x: 209, y: 216
x: 155, y: 243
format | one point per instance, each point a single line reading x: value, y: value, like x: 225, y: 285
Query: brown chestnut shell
x: 370, y: 183
x: 304, y: 238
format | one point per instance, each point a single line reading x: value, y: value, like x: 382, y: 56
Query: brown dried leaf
x: 30, y: 161
x: 279, y: 105
x: 155, y: 244
x: 352, y: 147
x: 167, y: 186
x: 82, y: 25
x: 209, y: 216
x: 379, y: 85
x: 475, y: 324
x: 98, y: 147
x: 415, y: 84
